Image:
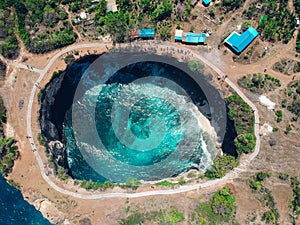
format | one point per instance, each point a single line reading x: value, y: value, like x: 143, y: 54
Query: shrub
x: 223, y: 202
x: 269, y: 217
x: 279, y: 115
x: 261, y: 176
x: 40, y: 139
x: 62, y: 173
x: 221, y: 166
x: 166, y: 183
x: 245, y: 143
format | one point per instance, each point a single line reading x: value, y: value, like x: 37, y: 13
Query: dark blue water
x: 14, y: 210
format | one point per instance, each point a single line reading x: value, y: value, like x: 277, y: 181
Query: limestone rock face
x: 57, y: 150
x: 56, y: 100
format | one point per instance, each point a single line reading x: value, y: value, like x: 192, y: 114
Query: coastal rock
x: 56, y: 99
x: 57, y: 150
x: 48, y: 208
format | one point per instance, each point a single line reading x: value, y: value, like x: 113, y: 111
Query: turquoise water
x: 14, y: 210
x: 136, y: 130
x: 149, y: 121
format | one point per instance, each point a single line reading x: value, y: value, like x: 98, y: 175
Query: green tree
x: 269, y: 217
x: 245, y: 143
x: 221, y: 166
x: 223, y: 202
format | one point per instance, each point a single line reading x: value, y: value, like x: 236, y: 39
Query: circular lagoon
x: 124, y: 115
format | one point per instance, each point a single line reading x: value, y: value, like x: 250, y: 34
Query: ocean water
x: 142, y: 126
x: 14, y: 210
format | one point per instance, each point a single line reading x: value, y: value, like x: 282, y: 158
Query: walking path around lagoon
x: 163, y: 45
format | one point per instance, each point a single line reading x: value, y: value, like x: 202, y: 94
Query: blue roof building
x: 178, y: 35
x: 238, y: 42
x: 189, y: 37
x: 194, y: 38
x: 206, y: 2
x: 146, y: 33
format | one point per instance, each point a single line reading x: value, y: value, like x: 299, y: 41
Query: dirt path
x: 70, y: 22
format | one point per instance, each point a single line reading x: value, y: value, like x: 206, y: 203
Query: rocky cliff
x: 55, y: 100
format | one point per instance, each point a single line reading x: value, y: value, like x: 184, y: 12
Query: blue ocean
x: 14, y: 210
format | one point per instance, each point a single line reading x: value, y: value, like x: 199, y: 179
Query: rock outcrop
x: 55, y: 100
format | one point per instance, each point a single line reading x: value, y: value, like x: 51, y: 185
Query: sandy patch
x: 266, y: 102
x: 266, y: 129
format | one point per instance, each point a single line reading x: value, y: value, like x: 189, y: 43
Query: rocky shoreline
x: 57, y: 96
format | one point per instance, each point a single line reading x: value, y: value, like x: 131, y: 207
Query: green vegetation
x: 229, y: 5
x: 41, y: 24
x: 48, y: 41
x: 191, y: 175
x: 263, y: 194
x: 245, y: 143
x: 2, y: 114
x: 141, y: 14
x: 91, y: 185
x: 8, y: 150
x: 295, y: 204
x: 243, y: 118
x: 287, y: 66
x: 172, y: 217
x: 69, y: 59
x: 297, y: 9
x: 283, y: 176
x: 134, y: 218
x: 220, y: 209
x: 288, y: 129
x: 261, y: 176
x: 284, y: 103
x: 195, y: 66
x: 131, y: 183
x: 40, y: 139
x: 298, y: 43
x: 2, y: 70
x: 8, y: 153
x: 293, y: 98
x: 259, y: 83
x: 278, y: 22
x: 56, y: 74
x: 241, y: 114
x: 62, y: 173
x: 181, y: 181
x: 166, y: 183
x: 279, y: 115
x: 221, y: 166
x: 269, y: 217
x: 9, y: 46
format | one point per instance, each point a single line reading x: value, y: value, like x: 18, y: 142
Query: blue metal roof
x: 240, y: 41
x: 206, y: 2
x: 195, y: 38
x: 177, y: 38
x: 146, y: 33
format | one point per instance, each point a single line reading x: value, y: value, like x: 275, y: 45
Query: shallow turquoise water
x: 141, y: 123
x: 14, y: 210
